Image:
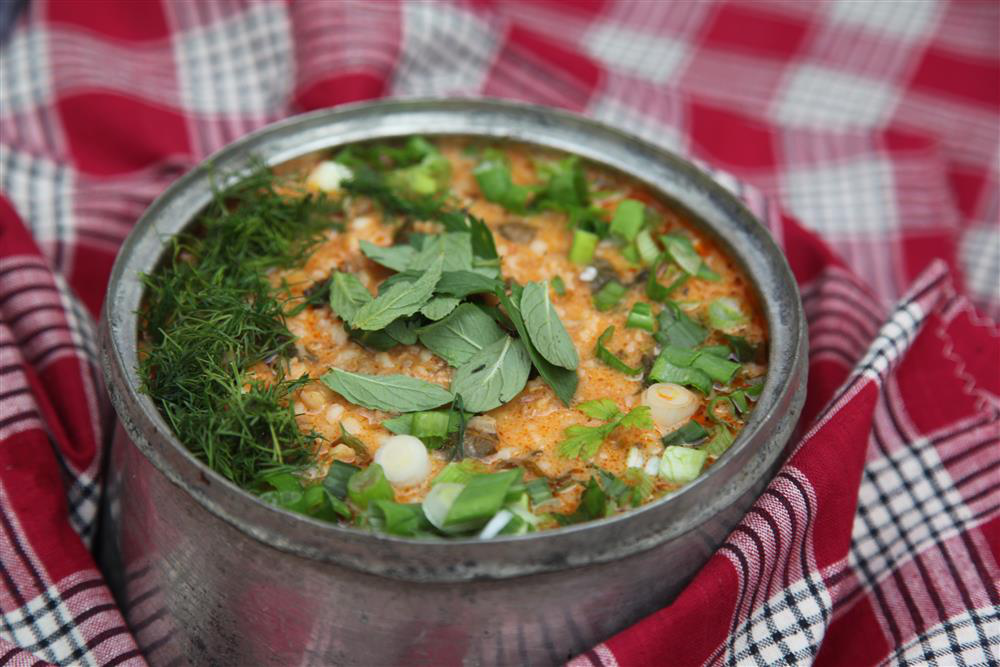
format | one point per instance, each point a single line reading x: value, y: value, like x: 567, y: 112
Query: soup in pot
x: 451, y: 338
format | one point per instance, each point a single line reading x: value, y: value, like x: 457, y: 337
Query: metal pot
x: 207, y: 573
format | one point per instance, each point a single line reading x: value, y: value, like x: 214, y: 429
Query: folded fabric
x: 875, y: 125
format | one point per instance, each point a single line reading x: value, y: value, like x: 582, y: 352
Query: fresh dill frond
x: 210, y: 315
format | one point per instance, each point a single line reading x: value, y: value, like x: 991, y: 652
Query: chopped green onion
x: 459, y: 472
x: 368, y: 485
x: 682, y: 251
x: 558, y: 285
x: 438, y: 503
x: 677, y: 329
x: 428, y: 177
x: 641, y: 317
x: 494, y: 179
x: 354, y: 443
x: 430, y: 424
x: 593, y: 502
x: 401, y: 425
x: 337, y: 478
x: 608, y: 296
x: 283, y: 481
x: 739, y: 400
x: 608, y: 357
x: 742, y: 350
x: 710, y: 409
x: 725, y: 314
x: 659, y: 292
x: 691, y: 433
x: 664, y: 371
x: 720, y: 442
x: 405, y: 520
x: 646, y: 247
x: 641, y: 483
x: 679, y: 356
x: 496, y: 524
x: 481, y: 498
x: 613, y: 486
x: 706, y: 273
x: 631, y: 255
x: 717, y: 350
x: 582, y: 249
x: 753, y: 391
x: 681, y: 465
x: 539, y: 491
x: 518, y: 525
x: 628, y: 219
x: 719, y: 369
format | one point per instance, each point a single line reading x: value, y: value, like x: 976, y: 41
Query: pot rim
x: 708, y: 205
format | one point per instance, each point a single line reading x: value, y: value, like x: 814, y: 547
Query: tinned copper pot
x: 208, y: 574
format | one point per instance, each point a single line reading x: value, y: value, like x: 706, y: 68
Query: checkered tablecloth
x: 865, y: 134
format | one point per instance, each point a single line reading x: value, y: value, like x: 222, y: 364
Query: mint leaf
x: 492, y: 376
x: 483, y: 245
x: 438, y: 307
x: 402, y: 331
x: 453, y: 249
x: 390, y: 393
x: 460, y: 335
x: 400, y: 300
x: 463, y: 283
x: 546, y: 330
x: 563, y: 381
x: 396, y: 257
x: 347, y: 295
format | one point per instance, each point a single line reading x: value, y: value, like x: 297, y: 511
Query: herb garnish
x: 210, y: 315
x: 492, y: 376
x: 547, y: 332
x: 460, y: 335
x: 609, y: 358
x: 585, y: 441
x: 391, y: 393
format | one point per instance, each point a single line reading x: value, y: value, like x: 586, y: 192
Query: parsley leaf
x: 585, y: 441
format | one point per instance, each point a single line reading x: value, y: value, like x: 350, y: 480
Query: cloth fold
x: 865, y: 135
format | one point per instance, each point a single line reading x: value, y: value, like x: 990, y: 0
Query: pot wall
x: 197, y: 590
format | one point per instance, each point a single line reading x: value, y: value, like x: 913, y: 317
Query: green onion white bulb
x: 404, y: 460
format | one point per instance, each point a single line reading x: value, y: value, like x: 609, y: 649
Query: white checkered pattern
x: 843, y: 199
x: 240, y: 64
x: 980, y: 254
x: 446, y: 50
x: 971, y: 639
x: 824, y: 97
x: 907, y: 501
x: 43, y: 191
x: 651, y: 56
x: 786, y: 629
x: 24, y: 71
x: 902, y: 19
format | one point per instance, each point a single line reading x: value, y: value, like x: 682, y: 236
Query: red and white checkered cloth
x: 874, y: 124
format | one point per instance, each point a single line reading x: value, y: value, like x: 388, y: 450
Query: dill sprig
x: 211, y: 314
